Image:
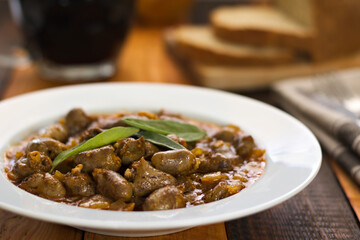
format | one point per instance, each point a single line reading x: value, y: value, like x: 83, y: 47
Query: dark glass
x: 74, y: 32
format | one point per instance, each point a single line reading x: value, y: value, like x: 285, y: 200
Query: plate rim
x: 174, y: 223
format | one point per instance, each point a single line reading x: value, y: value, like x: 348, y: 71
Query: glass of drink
x: 74, y: 40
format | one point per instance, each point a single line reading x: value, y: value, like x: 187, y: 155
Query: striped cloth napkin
x: 337, y: 129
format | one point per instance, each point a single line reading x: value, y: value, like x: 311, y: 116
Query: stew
x: 134, y: 161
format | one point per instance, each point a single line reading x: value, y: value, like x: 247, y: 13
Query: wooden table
x: 329, y: 208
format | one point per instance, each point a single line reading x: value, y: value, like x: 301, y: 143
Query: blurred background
x: 226, y: 44
x: 16, y: 20
x: 258, y: 48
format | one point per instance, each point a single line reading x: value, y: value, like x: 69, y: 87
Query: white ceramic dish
x: 293, y: 153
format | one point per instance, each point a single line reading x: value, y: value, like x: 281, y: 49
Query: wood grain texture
x: 351, y: 190
x: 321, y: 211
x: 15, y: 227
x: 144, y: 59
x: 211, y: 232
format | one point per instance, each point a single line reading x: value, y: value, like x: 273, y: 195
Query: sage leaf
x: 187, y: 131
x: 161, y: 140
x: 102, y: 139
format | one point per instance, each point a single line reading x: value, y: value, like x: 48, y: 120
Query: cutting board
x: 250, y: 78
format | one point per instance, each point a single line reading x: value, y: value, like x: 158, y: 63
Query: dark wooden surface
x: 321, y: 211
x: 324, y: 210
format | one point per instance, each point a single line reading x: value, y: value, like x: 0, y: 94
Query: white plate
x: 293, y: 153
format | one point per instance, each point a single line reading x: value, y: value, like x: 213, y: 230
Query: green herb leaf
x: 161, y: 140
x: 187, y: 131
x: 102, y: 139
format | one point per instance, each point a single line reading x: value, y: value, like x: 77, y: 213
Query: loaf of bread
x: 200, y: 44
x: 252, y: 46
x: 325, y: 29
x: 337, y: 25
x: 260, y: 25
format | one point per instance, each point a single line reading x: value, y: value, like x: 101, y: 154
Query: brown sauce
x: 134, y: 174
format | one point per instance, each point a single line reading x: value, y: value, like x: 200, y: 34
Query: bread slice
x: 260, y: 25
x: 200, y: 44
